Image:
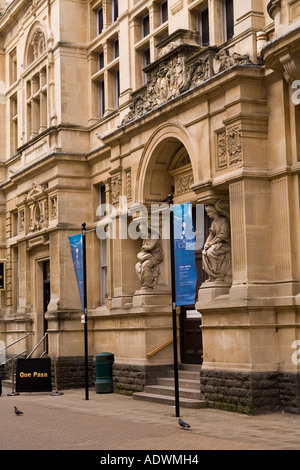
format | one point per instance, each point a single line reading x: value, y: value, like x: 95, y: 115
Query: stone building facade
x: 124, y: 102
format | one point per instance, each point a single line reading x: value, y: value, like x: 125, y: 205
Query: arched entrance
x: 167, y: 167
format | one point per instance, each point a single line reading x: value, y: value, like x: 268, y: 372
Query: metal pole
x: 175, y: 354
x: 85, y: 312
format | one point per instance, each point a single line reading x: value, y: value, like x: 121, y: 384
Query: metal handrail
x: 43, y: 338
x: 159, y: 348
x: 13, y: 357
x: 14, y: 342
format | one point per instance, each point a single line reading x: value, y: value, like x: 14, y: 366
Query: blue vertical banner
x: 77, y: 256
x: 184, y: 255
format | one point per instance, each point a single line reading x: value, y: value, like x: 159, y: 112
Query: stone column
x: 251, y: 239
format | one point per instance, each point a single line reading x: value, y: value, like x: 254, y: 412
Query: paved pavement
x: 113, y: 422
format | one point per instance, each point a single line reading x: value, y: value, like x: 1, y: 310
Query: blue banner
x: 77, y: 255
x: 184, y: 255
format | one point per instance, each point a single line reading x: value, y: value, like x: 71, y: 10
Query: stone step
x: 164, y: 389
x: 190, y: 367
x: 183, y: 383
x: 169, y: 391
x: 168, y: 400
x: 185, y: 374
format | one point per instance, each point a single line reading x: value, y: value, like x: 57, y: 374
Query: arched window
x: 36, y: 45
x: 36, y: 89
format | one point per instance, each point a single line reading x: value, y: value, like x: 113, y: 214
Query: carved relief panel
x: 180, y: 66
x: 183, y: 174
x: 229, y: 147
x: 36, y: 201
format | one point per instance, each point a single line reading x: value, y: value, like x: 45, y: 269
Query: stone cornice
x: 283, y: 55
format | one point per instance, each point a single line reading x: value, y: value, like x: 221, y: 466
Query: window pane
x: 116, y: 49
x: 115, y: 10
x: 204, y: 28
x: 101, y: 99
x: 146, y: 57
x: 164, y: 12
x: 146, y: 26
x: 229, y: 19
x: 100, y: 20
x: 101, y: 60
x: 102, y: 200
x: 116, y: 88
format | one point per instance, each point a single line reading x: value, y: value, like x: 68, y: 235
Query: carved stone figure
x: 178, y: 70
x: 216, y: 255
x: 150, y: 257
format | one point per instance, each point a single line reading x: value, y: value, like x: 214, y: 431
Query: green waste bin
x: 104, y: 377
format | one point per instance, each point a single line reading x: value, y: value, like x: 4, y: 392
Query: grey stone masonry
x: 251, y: 392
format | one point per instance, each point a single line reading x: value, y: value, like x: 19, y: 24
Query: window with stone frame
x: 13, y: 110
x: 100, y: 20
x: 13, y: 66
x: 36, y: 103
x: 36, y: 89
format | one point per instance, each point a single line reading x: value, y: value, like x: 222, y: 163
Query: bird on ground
x: 183, y: 424
x: 18, y: 412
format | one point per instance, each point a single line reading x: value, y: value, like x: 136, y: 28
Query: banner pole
x: 175, y: 353
x: 85, y: 311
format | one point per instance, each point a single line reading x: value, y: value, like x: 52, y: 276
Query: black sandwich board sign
x: 33, y: 375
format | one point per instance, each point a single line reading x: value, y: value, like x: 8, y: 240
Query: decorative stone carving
x: 53, y: 207
x: 115, y: 189
x: 234, y: 145
x: 222, y: 150
x: 291, y: 64
x: 180, y: 67
x: 223, y: 61
x: 37, y: 45
x: 216, y: 255
x: 230, y: 151
x: 21, y: 220
x: 183, y: 183
x: 150, y: 257
x: 128, y: 185
x: 37, y: 202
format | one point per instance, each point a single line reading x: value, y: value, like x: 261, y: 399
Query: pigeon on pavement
x: 18, y: 412
x: 183, y: 424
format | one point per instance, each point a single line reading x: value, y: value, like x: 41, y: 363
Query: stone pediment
x: 181, y: 65
x: 35, y: 192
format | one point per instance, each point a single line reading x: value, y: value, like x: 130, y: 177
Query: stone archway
x: 169, y: 166
x: 169, y: 147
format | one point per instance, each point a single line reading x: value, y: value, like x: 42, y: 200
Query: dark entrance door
x: 46, y: 296
x: 190, y: 319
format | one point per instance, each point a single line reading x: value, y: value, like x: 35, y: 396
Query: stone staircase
x: 164, y: 390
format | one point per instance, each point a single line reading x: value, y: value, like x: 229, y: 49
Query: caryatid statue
x: 216, y: 254
x: 150, y: 257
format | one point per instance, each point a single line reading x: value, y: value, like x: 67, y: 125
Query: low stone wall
x: 127, y: 378
x: 70, y: 372
x: 131, y: 378
x: 251, y: 392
